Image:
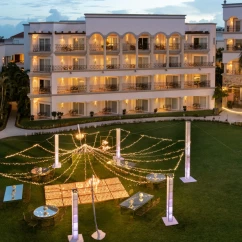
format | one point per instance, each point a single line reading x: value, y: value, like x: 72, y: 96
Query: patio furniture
x: 196, y: 105
x: 136, y: 201
x: 13, y: 193
x: 167, y: 107
x: 45, y: 212
x: 40, y: 171
x: 156, y: 177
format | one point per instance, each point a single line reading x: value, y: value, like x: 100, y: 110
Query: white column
x: 105, y: 52
x: 182, y: 51
x: 121, y: 52
x: 169, y: 219
x: 57, y: 164
x: 87, y: 55
x: 75, y: 237
x: 87, y: 84
x: 187, y: 177
x: 118, y: 157
x: 167, y: 51
x: 137, y: 52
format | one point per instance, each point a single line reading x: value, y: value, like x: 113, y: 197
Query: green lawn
x: 208, y: 210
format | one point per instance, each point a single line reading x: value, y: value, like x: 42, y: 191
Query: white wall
x: 232, y: 10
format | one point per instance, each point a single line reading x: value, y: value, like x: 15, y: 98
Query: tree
x: 220, y: 93
x: 240, y: 60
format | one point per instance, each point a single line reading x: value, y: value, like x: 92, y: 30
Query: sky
x: 15, y: 13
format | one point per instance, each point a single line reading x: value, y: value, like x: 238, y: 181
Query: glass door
x: 79, y: 108
x: 78, y: 43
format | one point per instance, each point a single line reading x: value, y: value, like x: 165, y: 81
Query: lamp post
x: 57, y: 164
x: 98, y: 234
x: 169, y: 219
x: 80, y: 135
x: 75, y: 237
x: 187, y: 178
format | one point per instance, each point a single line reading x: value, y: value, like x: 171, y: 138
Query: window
x: 44, y: 65
x: 201, y: 101
x: 111, y: 84
x: 78, y: 107
x: 141, y: 105
x: 44, y: 83
x: 143, y: 62
x: 44, y: 108
x: 171, y: 103
x: 112, y: 63
x: 174, y: 43
x: 44, y: 44
x: 78, y: 43
x: 237, y: 25
x: 112, y: 43
x: 142, y: 82
x: 200, y: 43
x: 200, y: 59
x: 78, y: 64
x: 111, y: 106
x: 143, y: 43
x: 173, y: 61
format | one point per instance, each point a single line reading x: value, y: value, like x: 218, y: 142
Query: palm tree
x: 3, y: 100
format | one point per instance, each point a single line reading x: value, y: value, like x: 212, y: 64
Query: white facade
x: 12, y: 50
x: 112, y: 62
x: 232, y: 79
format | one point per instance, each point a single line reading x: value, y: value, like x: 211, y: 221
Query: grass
x: 26, y: 123
x: 208, y: 210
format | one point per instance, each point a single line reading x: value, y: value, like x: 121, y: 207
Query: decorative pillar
x: 118, y: 157
x: 187, y: 178
x: 120, y: 83
x: 137, y: 52
x: 169, y: 219
x: 182, y: 81
x: 167, y: 51
x: 87, y: 84
x: 87, y: 55
x: 75, y: 237
x: 152, y: 82
x: 152, y: 51
x: 121, y: 52
x: 182, y: 51
x: 57, y: 164
x: 105, y: 52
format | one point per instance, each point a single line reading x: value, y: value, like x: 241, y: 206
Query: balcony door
x: 174, y: 43
x: 200, y: 100
x: 44, y: 108
x: 112, y: 105
x: 44, y: 65
x: 112, y: 83
x: 79, y: 107
x: 173, y: 61
x: 200, y: 59
x: 143, y: 62
x: 172, y: 103
x: 44, y: 44
x: 172, y: 81
x: 78, y: 63
x: 112, y: 43
x: 142, y: 82
x: 142, y: 104
x: 237, y: 25
x: 78, y: 43
x: 200, y: 43
x: 143, y: 43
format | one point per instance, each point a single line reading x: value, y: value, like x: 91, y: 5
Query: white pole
x: 75, y: 237
x: 57, y: 164
x: 187, y: 177
x: 118, y: 157
x: 169, y: 219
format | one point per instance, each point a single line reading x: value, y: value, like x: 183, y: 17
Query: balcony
x: 112, y: 47
x: 113, y: 66
x: 159, y: 65
x: 144, y: 66
x: 188, y: 46
x: 69, y: 68
x: 96, y: 48
x: 129, y: 47
x: 196, y: 84
x: 144, y: 47
x: 198, y: 64
x: 175, y: 64
x: 41, y: 90
x: 136, y: 86
x: 44, y: 68
x: 96, y: 67
x: 234, y: 72
x: 71, y: 89
x: 167, y: 85
x: 104, y: 88
x: 129, y: 66
x: 41, y: 48
x: 233, y: 29
x: 68, y: 48
x: 234, y: 47
x: 174, y: 47
x: 159, y: 47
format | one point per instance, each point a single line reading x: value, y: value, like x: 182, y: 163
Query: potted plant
x: 91, y: 114
x: 54, y: 113
x: 124, y: 111
x: 31, y: 117
x: 59, y: 115
x: 155, y: 110
x: 184, y: 108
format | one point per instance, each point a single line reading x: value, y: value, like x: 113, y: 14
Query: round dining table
x: 40, y: 171
x: 155, y: 177
x: 46, y: 211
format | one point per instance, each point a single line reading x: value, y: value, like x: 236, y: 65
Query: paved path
x: 12, y: 130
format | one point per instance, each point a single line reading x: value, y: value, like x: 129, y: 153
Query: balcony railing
x: 95, y: 47
x: 144, y: 47
x: 144, y: 66
x: 198, y: 64
x: 136, y: 86
x: 41, y: 48
x: 159, y: 47
x: 159, y: 65
x: 129, y: 47
x: 69, y: 68
x: 188, y: 46
x: 104, y: 88
x: 234, y: 47
x: 175, y: 64
x: 167, y: 85
x: 234, y: 72
x: 174, y: 46
x: 96, y: 67
x: 66, y: 47
x: 196, y: 84
x: 71, y: 89
x: 129, y: 66
x: 44, y: 68
x: 41, y: 90
x: 112, y: 47
x: 233, y: 29
x: 112, y: 66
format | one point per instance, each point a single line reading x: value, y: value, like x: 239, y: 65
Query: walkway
x: 12, y: 130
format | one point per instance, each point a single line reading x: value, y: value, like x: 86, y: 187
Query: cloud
x: 119, y: 11
x: 55, y: 15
